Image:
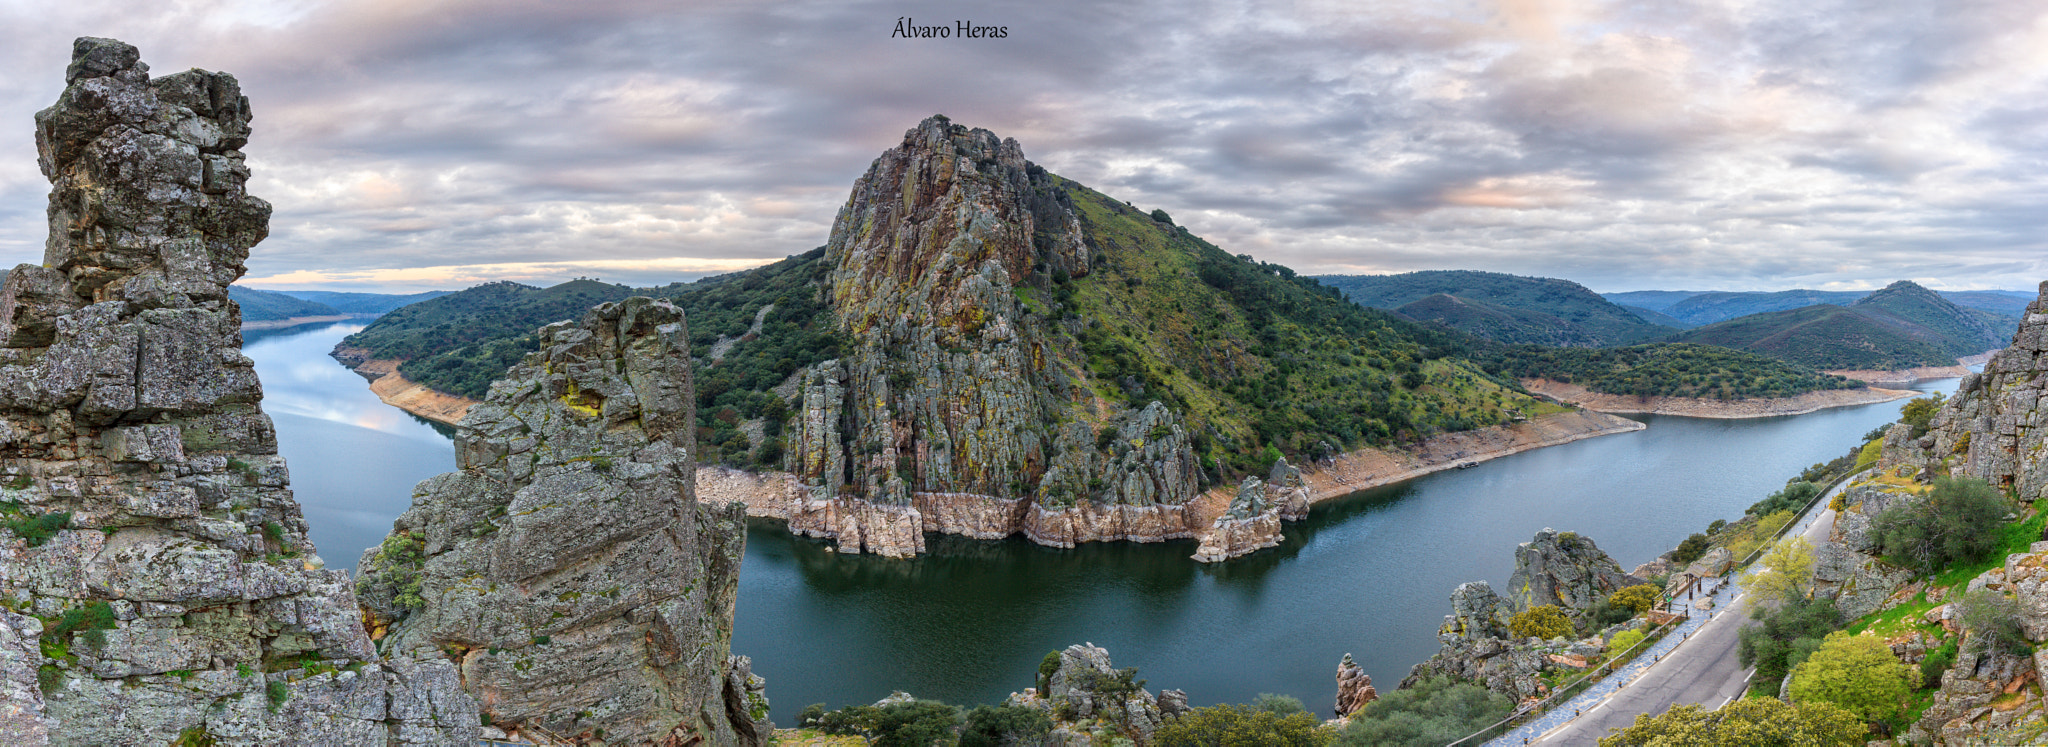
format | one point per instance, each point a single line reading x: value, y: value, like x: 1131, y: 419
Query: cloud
x: 1694, y: 143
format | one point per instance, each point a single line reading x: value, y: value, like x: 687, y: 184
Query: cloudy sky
x: 1738, y: 145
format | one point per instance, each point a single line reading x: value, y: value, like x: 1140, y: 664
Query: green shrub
x: 400, y: 559
x: 35, y: 530
x: 1279, y: 705
x: 1856, y: 672
x: 1046, y: 667
x: 277, y: 692
x: 1624, y: 641
x: 1241, y: 725
x: 995, y: 726
x: 1792, y: 498
x: 1691, y: 549
x: 1920, y: 412
x: 1640, y: 597
x: 1936, y: 662
x: 1750, y: 722
x: 1786, y: 636
x: 918, y: 723
x: 92, y: 620
x: 1433, y: 712
x: 1958, y: 523
x: 1542, y: 621
x: 1993, y: 621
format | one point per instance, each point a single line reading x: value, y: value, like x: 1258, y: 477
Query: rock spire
x: 567, y: 566
x: 157, y: 580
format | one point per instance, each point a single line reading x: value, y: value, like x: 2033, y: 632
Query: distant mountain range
x: 1902, y: 326
x: 269, y: 306
x: 1696, y: 308
x: 1505, y: 308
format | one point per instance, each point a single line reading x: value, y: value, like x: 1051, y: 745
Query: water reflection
x: 354, y: 460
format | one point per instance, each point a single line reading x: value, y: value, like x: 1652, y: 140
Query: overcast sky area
x: 1739, y: 145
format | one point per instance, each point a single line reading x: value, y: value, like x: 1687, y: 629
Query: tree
x: 1161, y: 216
x: 1920, y: 412
x: 1691, y: 549
x: 1542, y: 621
x: 917, y: 723
x: 1640, y: 597
x: 1241, y: 726
x: 1753, y: 722
x: 1432, y: 712
x: 1957, y: 523
x: 1624, y: 641
x: 1856, y: 672
x: 1784, y: 575
x: 1992, y: 620
x: 1787, y: 635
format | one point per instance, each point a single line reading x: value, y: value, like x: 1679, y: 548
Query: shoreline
x: 1911, y: 376
x: 298, y: 320
x: 1694, y: 407
x: 774, y: 495
x: 395, y: 390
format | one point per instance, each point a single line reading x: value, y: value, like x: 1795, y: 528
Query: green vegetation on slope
x: 1962, y: 331
x: 266, y: 306
x: 1828, y: 337
x: 1506, y: 308
x: 461, y: 342
x: 1257, y: 359
x: 1666, y: 370
x: 362, y: 303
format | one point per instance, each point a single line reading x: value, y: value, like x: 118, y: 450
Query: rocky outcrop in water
x: 1252, y: 522
x: 1565, y: 569
x: 1994, y: 427
x: 1354, y: 687
x: 157, y: 577
x: 568, y: 567
x: 1085, y: 688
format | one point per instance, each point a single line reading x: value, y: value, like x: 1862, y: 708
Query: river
x: 1369, y: 574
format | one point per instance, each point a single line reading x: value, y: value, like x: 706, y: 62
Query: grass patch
x: 2017, y: 538
x: 1897, y: 620
x: 36, y: 529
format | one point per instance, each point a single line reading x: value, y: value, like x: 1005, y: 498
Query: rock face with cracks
x: 1565, y: 569
x: 157, y: 577
x: 1354, y: 687
x: 1995, y: 427
x: 949, y: 396
x: 567, y: 566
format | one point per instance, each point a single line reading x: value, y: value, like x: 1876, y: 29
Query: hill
x: 1506, y: 308
x: 1658, y: 317
x: 1668, y: 370
x: 1251, y: 360
x: 266, y: 306
x: 1963, y: 331
x: 1829, y: 337
x: 1695, y: 308
x: 362, y: 303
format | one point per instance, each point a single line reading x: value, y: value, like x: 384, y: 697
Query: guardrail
x: 1577, y: 686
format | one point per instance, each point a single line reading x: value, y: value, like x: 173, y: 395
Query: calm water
x: 1370, y: 574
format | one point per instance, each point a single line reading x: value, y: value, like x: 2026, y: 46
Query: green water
x: 1369, y: 574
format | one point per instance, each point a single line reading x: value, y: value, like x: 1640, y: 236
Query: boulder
x: 1564, y: 569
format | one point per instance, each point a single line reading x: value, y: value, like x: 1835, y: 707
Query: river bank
x: 1695, y: 407
x: 892, y: 530
x: 298, y: 320
x: 1911, y: 376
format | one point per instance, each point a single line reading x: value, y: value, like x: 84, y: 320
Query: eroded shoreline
x: 1694, y: 407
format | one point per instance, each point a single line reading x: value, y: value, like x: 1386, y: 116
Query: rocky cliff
x: 1555, y: 568
x: 1993, y: 427
x: 155, y: 571
x: 567, y: 567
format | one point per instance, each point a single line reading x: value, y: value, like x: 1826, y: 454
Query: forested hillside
x: 1506, y: 308
x: 266, y: 306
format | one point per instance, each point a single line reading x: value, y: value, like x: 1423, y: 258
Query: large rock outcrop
x: 1995, y: 426
x: 1847, y: 567
x: 949, y: 394
x: 1565, y: 569
x: 567, y: 566
x: 1354, y: 687
x: 157, y: 577
x: 1085, y: 688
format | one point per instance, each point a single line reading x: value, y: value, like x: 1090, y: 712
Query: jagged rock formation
x: 1354, y: 687
x: 1252, y: 522
x: 1087, y: 688
x: 1993, y: 428
x: 568, y: 567
x: 1565, y: 569
x: 1847, y: 567
x: 157, y: 571
x: 1558, y: 568
x: 949, y: 390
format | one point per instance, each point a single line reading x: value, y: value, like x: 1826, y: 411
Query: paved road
x: 1702, y: 669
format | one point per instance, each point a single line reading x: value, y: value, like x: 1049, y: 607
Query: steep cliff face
x: 1023, y: 354
x: 1567, y: 570
x: 1993, y: 428
x: 156, y: 570
x: 568, y: 567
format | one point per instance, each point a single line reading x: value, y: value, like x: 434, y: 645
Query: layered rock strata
x: 567, y: 567
x: 950, y: 395
x: 157, y: 577
x: 1995, y: 426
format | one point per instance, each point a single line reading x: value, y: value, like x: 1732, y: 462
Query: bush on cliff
x: 1691, y: 549
x: 1858, y: 673
x: 1640, y: 597
x: 1958, y: 523
x: 915, y: 723
x: 1788, y: 634
x: 1545, y: 621
x: 1248, y: 725
x: 997, y: 726
x: 1434, y: 711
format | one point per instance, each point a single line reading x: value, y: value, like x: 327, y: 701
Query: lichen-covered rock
x: 157, y: 538
x: 1087, y: 686
x: 948, y: 388
x: 1354, y: 687
x: 1477, y: 646
x: 1847, y: 568
x: 1564, y: 569
x: 1995, y: 427
x: 567, y: 567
